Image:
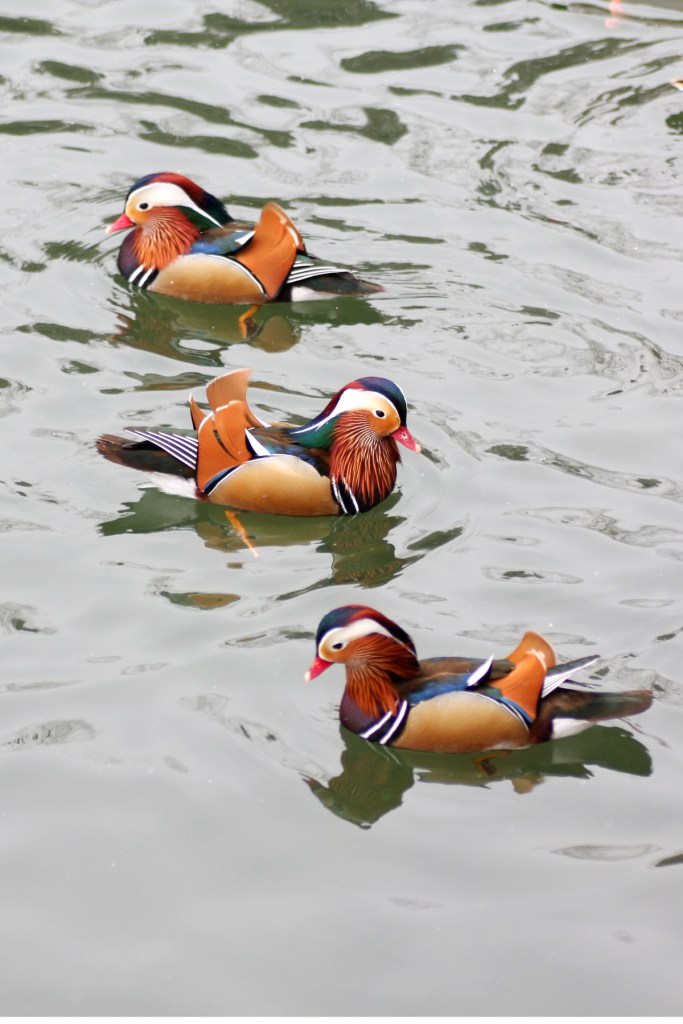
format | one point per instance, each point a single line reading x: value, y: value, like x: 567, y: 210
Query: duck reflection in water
x: 182, y: 241
x: 373, y: 778
x: 161, y: 324
x: 358, y: 547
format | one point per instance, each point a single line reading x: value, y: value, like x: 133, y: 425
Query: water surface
x: 185, y: 827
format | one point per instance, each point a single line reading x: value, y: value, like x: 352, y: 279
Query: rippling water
x: 180, y: 812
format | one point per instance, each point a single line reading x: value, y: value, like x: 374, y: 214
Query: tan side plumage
x: 461, y: 723
x: 204, y: 278
x: 280, y: 484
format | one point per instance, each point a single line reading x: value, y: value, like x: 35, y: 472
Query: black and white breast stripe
x: 143, y: 276
x: 389, y: 726
x: 344, y: 497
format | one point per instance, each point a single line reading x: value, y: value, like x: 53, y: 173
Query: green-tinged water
x: 184, y: 828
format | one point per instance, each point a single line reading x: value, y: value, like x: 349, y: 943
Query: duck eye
x: 338, y: 646
x: 380, y: 414
x: 143, y: 206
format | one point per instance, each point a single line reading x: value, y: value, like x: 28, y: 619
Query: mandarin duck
x: 186, y: 244
x: 454, y: 705
x: 341, y: 462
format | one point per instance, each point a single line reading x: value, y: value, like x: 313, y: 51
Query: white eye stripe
x: 354, y: 631
x: 353, y: 399
x: 165, y: 193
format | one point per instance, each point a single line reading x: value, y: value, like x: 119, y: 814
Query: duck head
x: 376, y: 652
x: 165, y: 193
x: 374, y: 403
x: 359, y: 427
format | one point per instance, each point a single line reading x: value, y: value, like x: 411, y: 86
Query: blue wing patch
x: 222, y: 245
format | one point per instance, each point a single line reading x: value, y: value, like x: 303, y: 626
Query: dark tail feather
x: 140, y: 455
x: 599, y: 707
x: 587, y: 706
x: 340, y: 283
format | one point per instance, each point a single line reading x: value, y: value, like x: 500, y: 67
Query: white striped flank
x: 337, y: 496
x: 392, y: 721
x: 397, y: 723
x: 349, y: 492
x: 371, y: 730
x: 145, y: 277
x: 479, y: 673
x: 182, y: 448
x: 136, y: 273
x: 336, y: 491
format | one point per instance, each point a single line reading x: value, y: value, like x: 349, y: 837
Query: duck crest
x: 318, y: 432
x: 163, y: 237
x: 362, y: 465
x: 379, y: 662
x: 213, y: 208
